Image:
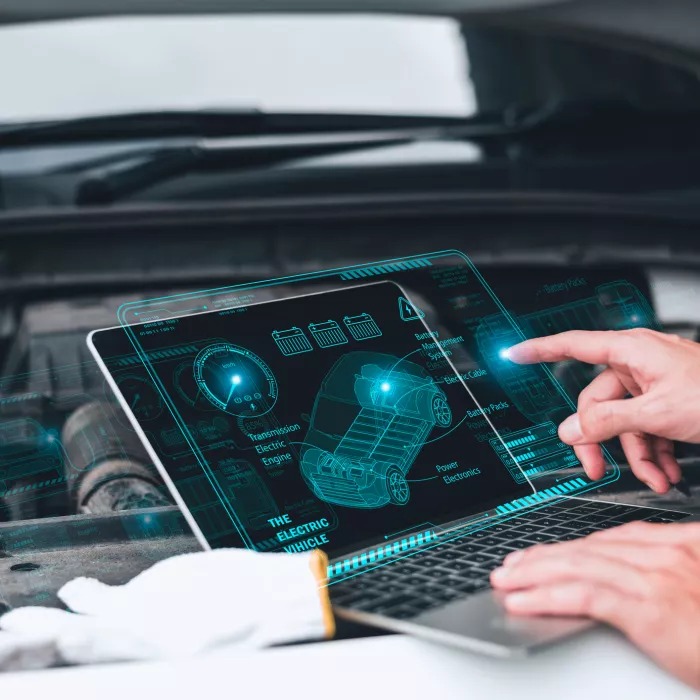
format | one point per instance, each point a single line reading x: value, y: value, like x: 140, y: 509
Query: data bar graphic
x: 535, y: 451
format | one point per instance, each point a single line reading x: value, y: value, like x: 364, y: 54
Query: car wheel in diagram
x: 441, y: 411
x: 397, y: 486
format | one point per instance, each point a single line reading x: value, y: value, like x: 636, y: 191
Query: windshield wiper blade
x: 106, y: 183
x: 130, y: 125
x: 204, y: 123
x: 513, y: 121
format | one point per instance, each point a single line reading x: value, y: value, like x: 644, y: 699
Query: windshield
x: 367, y: 64
x: 352, y: 64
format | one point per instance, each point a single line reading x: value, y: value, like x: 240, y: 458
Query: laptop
x: 337, y: 421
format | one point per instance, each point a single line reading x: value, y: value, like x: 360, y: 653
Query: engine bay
x: 67, y: 446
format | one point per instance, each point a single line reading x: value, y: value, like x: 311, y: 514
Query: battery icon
x: 328, y: 334
x: 362, y: 327
x: 293, y: 341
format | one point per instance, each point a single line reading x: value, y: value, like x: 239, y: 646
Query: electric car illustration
x: 370, y: 420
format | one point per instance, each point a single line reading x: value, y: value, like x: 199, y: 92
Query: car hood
x: 39, y: 10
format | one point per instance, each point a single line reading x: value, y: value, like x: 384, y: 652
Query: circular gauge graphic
x: 141, y: 396
x: 188, y: 389
x: 235, y: 380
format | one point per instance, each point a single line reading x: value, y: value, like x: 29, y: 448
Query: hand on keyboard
x: 641, y: 578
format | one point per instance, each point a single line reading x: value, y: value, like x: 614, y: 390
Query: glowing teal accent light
x: 385, y: 268
x: 399, y: 549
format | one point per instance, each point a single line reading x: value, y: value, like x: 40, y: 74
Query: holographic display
x: 459, y: 323
x: 328, y: 448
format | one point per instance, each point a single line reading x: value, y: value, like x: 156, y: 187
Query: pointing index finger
x: 593, y: 347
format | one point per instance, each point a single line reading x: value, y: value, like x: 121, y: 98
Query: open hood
x: 670, y: 24
x: 36, y: 10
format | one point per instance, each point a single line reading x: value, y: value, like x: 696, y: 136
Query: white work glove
x: 183, y: 606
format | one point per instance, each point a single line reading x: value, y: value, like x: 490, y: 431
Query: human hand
x: 661, y: 372
x: 642, y: 578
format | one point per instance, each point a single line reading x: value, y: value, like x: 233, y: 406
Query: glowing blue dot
x: 236, y: 379
x: 386, y: 386
x: 147, y: 518
x: 634, y: 319
x: 504, y: 354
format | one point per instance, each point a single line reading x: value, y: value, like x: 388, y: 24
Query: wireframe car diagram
x: 371, y: 418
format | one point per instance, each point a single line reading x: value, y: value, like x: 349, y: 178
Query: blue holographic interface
x: 290, y: 449
x: 451, y: 317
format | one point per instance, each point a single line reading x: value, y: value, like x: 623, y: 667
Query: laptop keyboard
x: 451, y: 571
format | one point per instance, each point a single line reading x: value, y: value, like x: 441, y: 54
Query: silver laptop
x: 337, y: 421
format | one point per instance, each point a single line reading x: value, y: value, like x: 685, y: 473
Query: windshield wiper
x: 106, y: 181
x: 171, y: 144
x: 204, y: 123
x: 514, y: 120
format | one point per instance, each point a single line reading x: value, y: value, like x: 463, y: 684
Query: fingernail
x: 511, y: 353
x: 499, y: 574
x: 517, y: 601
x: 661, y: 489
x: 570, y: 430
x: 513, y: 558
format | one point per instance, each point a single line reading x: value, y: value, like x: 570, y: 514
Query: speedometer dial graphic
x: 235, y: 380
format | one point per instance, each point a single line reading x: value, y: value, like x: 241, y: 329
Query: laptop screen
x: 331, y: 420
